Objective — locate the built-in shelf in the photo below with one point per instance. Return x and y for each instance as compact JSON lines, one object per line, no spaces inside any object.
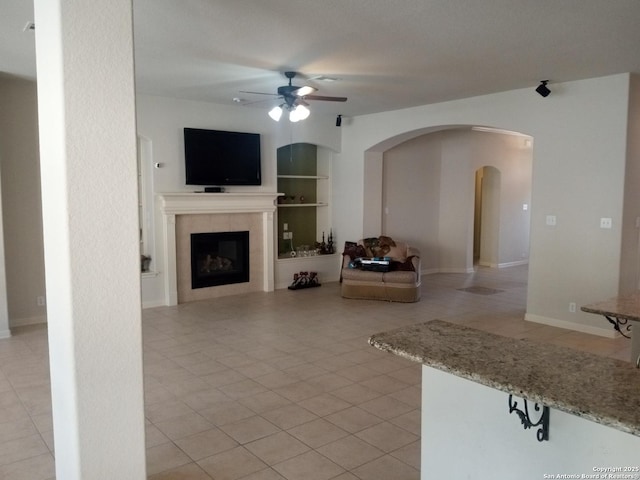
{"x":289,"y":205}
{"x":286,"y":257}
{"x":305,"y":177}
{"x":304,"y":172}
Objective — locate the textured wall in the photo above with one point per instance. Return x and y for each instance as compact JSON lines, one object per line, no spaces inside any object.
{"x":21,"y":201}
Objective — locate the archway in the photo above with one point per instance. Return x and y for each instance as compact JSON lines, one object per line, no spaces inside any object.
{"x":421,"y":189}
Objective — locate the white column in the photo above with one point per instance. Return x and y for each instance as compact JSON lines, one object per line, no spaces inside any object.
{"x":268,"y":249}
{"x":170,"y":262}
{"x":86,"y":108}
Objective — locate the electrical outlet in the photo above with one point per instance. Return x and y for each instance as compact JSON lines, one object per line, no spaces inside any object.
{"x":572,"y":307}
{"x":551,"y":220}
{"x":40,"y":301}
{"x":606,"y":223}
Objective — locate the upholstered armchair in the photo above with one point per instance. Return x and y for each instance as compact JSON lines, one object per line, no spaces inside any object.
{"x":400,"y":282}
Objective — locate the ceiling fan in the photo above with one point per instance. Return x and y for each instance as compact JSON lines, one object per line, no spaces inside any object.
{"x":295,"y":99}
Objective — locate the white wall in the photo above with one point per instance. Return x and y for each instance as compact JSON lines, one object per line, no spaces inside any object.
{"x":411,"y":196}
{"x":630,"y":258}
{"x":21,"y":200}
{"x":161,"y":121}
{"x":580,"y":134}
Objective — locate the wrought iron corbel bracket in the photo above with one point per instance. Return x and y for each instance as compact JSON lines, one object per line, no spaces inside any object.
{"x":617,"y":323}
{"x":543,"y":422}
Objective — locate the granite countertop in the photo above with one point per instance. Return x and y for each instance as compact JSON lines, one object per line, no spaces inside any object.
{"x":622,"y":307}
{"x":600,"y":389}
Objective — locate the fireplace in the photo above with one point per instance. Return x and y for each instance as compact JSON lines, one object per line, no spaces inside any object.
{"x":186,"y":213}
{"x":219,"y":258}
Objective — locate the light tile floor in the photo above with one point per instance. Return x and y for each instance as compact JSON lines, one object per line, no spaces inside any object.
{"x":276,"y":386}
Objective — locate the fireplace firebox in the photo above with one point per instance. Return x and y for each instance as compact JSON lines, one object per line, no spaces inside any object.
{"x":219,"y":258}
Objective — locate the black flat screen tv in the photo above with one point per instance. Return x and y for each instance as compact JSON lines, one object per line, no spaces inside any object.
{"x":216,"y":157}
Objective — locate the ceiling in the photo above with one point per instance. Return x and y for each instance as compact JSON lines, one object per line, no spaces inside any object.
{"x":385,"y":54}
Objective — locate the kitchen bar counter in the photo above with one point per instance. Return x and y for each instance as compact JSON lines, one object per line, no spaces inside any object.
{"x":603,"y":390}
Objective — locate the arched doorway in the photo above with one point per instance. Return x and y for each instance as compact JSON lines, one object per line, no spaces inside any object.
{"x":421,"y":188}
{"x":486,"y":228}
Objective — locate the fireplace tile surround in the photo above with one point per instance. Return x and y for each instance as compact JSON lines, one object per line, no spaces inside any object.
{"x":186,"y":213}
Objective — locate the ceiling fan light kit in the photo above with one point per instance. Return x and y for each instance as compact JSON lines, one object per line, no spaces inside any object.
{"x":297,"y":113}
{"x":295,"y":100}
{"x":275,"y":113}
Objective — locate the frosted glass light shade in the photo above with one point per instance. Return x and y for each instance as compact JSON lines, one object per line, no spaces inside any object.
{"x":275,"y":113}
{"x":293,"y":116}
{"x":302,"y":112}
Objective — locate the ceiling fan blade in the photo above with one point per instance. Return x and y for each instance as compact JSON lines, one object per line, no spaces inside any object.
{"x":254,"y":102}
{"x":304,"y":91}
{"x":260,"y":93}
{"x":325,"y":99}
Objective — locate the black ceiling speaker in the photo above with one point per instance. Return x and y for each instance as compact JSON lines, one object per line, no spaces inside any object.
{"x":338,"y":120}
{"x":542,"y":88}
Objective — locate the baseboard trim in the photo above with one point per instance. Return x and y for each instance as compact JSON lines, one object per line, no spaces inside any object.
{"x":578,"y":327}
{"x":23,"y":322}
{"x":153,"y":304}
{"x":513,"y":264}
{"x":504,"y":265}
{"x":5,"y":334}
{"x":454,"y":270}
{"x":429,"y":271}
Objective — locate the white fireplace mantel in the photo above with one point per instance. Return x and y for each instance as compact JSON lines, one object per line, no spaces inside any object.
{"x":193,"y":203}
{"x":187,"y":203}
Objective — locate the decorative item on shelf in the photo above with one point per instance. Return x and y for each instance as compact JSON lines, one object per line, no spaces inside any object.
{"x":304,"y":280}
{"x":301,"y":198}
{"x":145,"y":261}
{"x":321,"y":247}
{"x":330,"y":248}
{"x":305,"y":251}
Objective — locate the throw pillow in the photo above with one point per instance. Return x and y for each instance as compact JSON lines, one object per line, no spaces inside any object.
{"x":353,"y":250}
{"x":398,"y":252}
{"x":406,"y":266}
